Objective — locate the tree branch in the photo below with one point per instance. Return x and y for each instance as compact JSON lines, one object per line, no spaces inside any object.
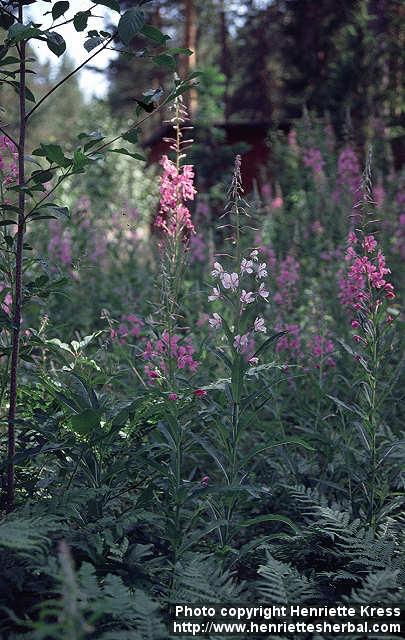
{"x":72,"y":73}
{"x":9,"y":13}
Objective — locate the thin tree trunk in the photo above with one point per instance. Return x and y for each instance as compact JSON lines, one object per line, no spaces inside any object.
{"x":224,"y":56}
{"x":17,"y":298}
{"x":190,"y":42}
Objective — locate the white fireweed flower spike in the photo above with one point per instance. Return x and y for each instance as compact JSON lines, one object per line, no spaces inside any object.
{"x":247,"y":297}
{"x":215,"y":294}
{"x":262,"y":270}
{"x":230,"y":280}
{"x":215,"y":321}
{"x":259,"y":325}
{"x":218,"y":269}
{"x":246,"y":266}
{"x":263,"y":291}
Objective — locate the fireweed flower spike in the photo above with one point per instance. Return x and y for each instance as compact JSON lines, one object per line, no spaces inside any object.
{"x":240,"y":290}
{"x":364,"y":291}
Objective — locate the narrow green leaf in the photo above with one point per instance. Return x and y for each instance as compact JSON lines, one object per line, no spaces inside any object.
{"x":268,"y":518}
{"x":125,"y":152}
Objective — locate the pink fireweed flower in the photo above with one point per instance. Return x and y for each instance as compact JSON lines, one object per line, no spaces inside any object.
{"x":200,"y":393}
{"x":173,"y":396}
{"x":277,"y":202}
{"x":198,"y":248}
{"x":291,"y":340}
{"x":241,"y":343}
{"x":259,"y":325}
{"x":365,"y":272}
{"x":7,"y":303}
{"x":246,"y":266}
{"x":216,"y":294}
{"x":349,"y":174}
{"x":312,"y":159}
{"x":369,"y":243}
{"x":254,"y":255}
{"x":215,"y":321}
{"x":60,"y":243}
{"x":287,"y":279}
{"x":379,"y":195}
{"x":253,"y":361}
{"x":205,"y":481}
{"x":399,"y":242}
{"x":263,"y":293}
{"x":321,"y":348}
{"x":262,"y":270}
{"x":130,"y":326}
{"x":230,"y":280}
{"x":168,"y":349}
{"x":247,"y":297}
{"x":317,"y":228}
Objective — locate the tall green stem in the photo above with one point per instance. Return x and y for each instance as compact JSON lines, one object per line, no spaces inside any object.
{"x":17,"y":300}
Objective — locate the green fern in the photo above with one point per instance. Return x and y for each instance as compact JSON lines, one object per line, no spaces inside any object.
{"x":200,"y":578}
{"x":281,"y":583}
{"x":378,"y":587}
{"x":27,"y":534}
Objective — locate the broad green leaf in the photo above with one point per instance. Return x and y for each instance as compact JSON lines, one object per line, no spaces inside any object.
{"x":56,"y":43}
{"x":131,"y":22}
{"x":154,"y":34}
{"x":131,"y":135}
{"x":19,"y":32}
{"x":86,"y":421}
{"x":42,"y":176}
{"x":59,"y":8}
{"x":93,"y":42}
{"x":165,"y":60}
{"x":110,"y":4}
{"x":80,"y":20}
{"x":53,"y":153}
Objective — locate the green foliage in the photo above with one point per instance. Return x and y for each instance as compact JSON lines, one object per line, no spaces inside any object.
{"x":272,"y":474}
